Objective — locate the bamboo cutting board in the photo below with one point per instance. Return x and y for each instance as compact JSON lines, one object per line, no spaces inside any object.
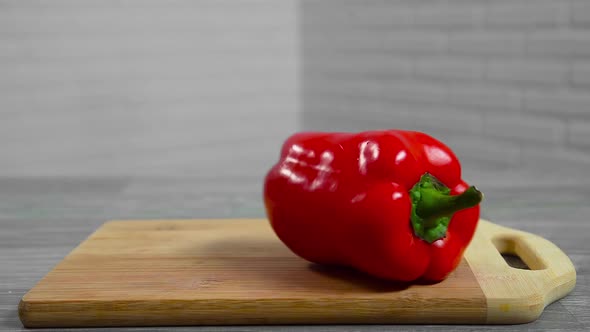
{"x":197,"y":272}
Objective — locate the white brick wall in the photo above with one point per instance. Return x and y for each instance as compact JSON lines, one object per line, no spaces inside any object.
{"x":457,"y":14}
{"x":415,"y":92}
{"x":499,"y":80}
{"x":581,"y":73}
{"x":400,"y":42}
{"x":559,"y":43}
{"x":507,"y":14}
{"x":145,"y":87}
{"x":449,"y":68}
{"x":482,"y":43}
{"x":579,"y":134}
{"x":580,"y":13}
{"x":562,"y":102}
{"x":372,"y":65}
{"x":485,"y":97}
{"x":440,"y":121}
{"x":525,"y":128}
{"x":94,"y":85}
{"x":528,"y":72}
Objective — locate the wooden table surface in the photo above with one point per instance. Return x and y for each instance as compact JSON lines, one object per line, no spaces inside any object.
{"x":43,"y":219}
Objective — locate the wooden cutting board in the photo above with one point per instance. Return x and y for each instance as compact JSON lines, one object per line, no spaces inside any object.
{"x":197,"y":272}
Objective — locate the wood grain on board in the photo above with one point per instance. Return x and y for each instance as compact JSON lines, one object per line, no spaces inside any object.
{"x":235,"y":271}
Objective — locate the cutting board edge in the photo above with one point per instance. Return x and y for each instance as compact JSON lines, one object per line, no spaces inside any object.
{"x":39,"y":317}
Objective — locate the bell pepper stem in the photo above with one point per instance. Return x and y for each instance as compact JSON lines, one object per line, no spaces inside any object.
{"x":433,"y":206}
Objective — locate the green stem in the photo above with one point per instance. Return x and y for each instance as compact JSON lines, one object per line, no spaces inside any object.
{"x":433,"y":206}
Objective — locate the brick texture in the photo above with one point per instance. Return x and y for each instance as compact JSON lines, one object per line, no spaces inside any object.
{"x":485,"y":97}
{"x":450,"y":14}
{"x":579,"y":133}
{"x":581,"y":73}
{"x":442,"y":121}
{"x":415,"y":43}
{"x":561,"y":43}
{"x":506,"y":14}
{"x":528,"y":72}
{"x":102,"y":87}
{"x":499,"y":80}
{"x":372,"y":65}
{"x":482,"y":43}
{"x":415,"y":91}
{"x":580,"y":13}
{"x":528,"y":128}
{"x":562,"y":103}
{"x":449,"y":68}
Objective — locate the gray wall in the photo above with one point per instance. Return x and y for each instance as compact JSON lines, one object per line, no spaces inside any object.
{"x":212,"y":87}
{"x":505,"y":83}
{"x":145,"y":87}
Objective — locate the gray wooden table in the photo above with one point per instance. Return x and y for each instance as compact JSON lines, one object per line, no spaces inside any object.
{"x":42,"y":219}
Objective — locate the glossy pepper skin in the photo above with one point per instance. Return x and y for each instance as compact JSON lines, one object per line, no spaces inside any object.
{"x":390,"y":203}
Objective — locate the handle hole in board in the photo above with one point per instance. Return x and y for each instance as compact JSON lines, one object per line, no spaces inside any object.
{"x":515,"y":261}
{"x":517,"y":254}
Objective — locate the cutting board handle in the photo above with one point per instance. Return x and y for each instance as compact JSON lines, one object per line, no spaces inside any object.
{"x":552,"y":275}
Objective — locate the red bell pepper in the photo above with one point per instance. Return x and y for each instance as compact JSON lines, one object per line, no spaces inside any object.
{"x":390,"y":203}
